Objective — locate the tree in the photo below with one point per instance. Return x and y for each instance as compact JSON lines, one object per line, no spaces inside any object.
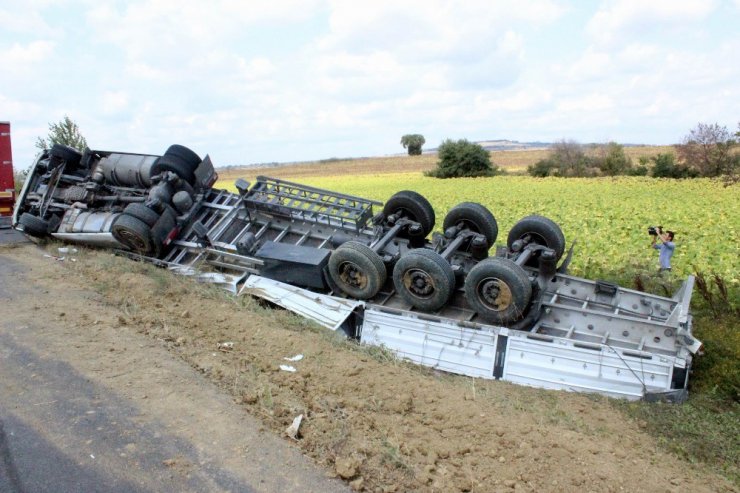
{"x":665,"y":166}
{"x":19,"y":177}
{"x":65,"y":132}
{"x":462,"y":158}
{"x":567,"y":158}
{"x":708,"y":149}
{"x":613,"y":161}
{"x":413,"y":142}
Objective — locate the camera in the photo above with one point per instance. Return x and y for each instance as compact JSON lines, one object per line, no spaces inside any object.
{"x":655,"y":230}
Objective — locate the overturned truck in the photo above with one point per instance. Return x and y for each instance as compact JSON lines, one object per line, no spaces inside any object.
{"x":376,"y":271}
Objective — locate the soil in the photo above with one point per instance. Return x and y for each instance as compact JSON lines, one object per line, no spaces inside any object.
{"x":377,"y":423}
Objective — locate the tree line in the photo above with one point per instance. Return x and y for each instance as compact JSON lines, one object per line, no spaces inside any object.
{"x":709,"y":150}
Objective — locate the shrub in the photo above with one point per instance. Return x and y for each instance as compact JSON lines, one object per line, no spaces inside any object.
{"x":543,"y":168}
{"x":639,"y":170}
{"x":613,"y":161}
{"x":567,"y":159}
{"x":665,"y":166}
{"x":462,"y":158}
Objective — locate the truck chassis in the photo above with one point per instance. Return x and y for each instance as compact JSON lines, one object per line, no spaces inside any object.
{"x":383,"y":277}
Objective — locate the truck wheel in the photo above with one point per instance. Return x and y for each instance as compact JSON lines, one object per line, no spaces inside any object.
{"x":413,"y":206}
{"x":474,"y":217}
{"x":498,"y":290}
{"x":357,"y":270}
{"x":185,"y":154}
{"x":66,"y":153}
{"x":540,"y":230}
{"x":34,"y":225}
{"x":142,"y":213}
{"x":133,"y":233}
{"x":424,"y":279}
{"x":175,"y":164}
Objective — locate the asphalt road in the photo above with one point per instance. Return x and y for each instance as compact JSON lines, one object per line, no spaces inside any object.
{"x":66,"y":426}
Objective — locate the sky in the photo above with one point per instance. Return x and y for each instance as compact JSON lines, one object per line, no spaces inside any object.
{"x":293,"y":80}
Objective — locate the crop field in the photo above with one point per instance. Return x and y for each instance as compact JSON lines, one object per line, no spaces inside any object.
{"x":607,"y":217}
{"x":514,"y":162}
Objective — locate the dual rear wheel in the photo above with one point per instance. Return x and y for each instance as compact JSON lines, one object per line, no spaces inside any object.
{"x":497,"y":289}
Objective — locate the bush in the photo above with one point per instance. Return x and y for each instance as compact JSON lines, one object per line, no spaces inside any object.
{"x":639,"y":170}
{"x":462,"y":159}
{"x":665,"y":166}
{"x":613,"y":161}
{"x":567,"y":159}
{"x":543,"y":168}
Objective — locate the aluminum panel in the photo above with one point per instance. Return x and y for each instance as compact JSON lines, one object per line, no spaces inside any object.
{"x":565,"y":365}
{"x":91,"y":239}
{"x":329,"y":311}
{"x":444,"y":346}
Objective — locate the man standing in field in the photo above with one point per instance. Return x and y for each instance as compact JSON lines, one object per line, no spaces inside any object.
{"x":666,"y":248}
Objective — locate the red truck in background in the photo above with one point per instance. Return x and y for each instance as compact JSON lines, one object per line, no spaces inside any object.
{"x":7,"y":185}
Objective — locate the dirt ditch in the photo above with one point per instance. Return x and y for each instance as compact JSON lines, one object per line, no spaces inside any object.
{"x":380,"y":424}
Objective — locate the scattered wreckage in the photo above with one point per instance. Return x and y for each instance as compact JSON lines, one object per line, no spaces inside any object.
{"x":382,"y":276}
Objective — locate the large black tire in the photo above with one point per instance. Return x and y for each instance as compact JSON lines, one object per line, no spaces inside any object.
{"x":175,"y":164}
{"x":541,"y":230}
{"x":66,"y":153}
{"x":424,"y":279}
{"x":413,"y":206}
{"x":498,"y":290}
{"x":185,"y":154}
{"x":133,"y":234}
{"x":34,"y":225}
{"x":474,"y":217}
{"x":142,"y":213}
{"x":357,"y":270}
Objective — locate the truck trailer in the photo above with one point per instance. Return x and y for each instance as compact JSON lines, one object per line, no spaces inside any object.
{"x":451,"y":299}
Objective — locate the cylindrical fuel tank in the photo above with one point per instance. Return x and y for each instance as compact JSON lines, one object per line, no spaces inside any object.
{"x":127,"y":170}
{"x":88,"y":228}
{"x":82,"y":221}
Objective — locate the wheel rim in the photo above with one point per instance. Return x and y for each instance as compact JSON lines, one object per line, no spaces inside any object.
{"x":406,"y":213}
{"x":419,"y":283}
{"x":352,"y":275}
{"x":469,"y":225}
{"x":133,"y":240}
{"x":535,"y":238}
{"x":494,"y":294}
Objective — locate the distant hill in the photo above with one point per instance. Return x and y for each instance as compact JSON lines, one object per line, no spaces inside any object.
{"x":507,"y":145}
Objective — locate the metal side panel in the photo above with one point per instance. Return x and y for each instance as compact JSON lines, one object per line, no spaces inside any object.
{"x":444,"y":346}
{"x":91,"y":239}
{"x":329,"y":311}
{"x":567,"y":365}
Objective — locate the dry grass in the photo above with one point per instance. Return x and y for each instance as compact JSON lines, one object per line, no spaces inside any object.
{"x":511,"y":161}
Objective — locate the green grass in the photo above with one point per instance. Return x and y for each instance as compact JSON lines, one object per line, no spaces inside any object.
{"x":706,"y":429}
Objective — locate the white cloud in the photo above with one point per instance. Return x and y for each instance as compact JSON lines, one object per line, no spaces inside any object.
{"x":24,"y":56}
{"x":618,"y":21}
{"x":114,"y":102}
{"x":589,"y":103}
{"x":286,"y":80}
